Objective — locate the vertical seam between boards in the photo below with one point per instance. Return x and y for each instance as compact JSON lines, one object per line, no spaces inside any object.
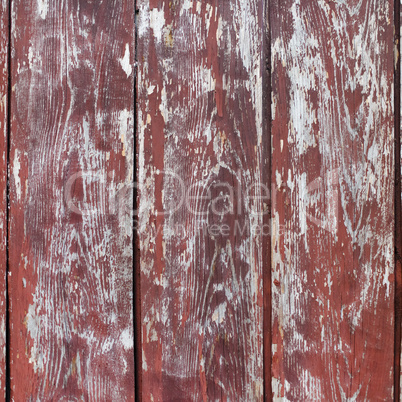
{"x":267,"y":154}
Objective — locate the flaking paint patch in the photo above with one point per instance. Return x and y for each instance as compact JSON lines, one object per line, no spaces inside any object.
{"x":32,"y":322}
{"x":219,"y":314}
{"x":157,"y":22}
{"x":126,"y":339}
{"x":125,"y":61}
{"x":43,"y":8}
{"x":16,"y":173}
{"x":125,"y":121}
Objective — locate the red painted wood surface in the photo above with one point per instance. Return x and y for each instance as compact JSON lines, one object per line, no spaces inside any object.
{"x":206,"y":207}
{"x":398,"y":206}
{"x":4,"y":12}
{"x":398,"y":209}
{"x":333,"y":210}
{"x":202,"y":160}
{"x":71,"y":159}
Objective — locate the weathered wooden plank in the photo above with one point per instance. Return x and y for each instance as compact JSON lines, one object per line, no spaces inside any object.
{"x":398,"y":205}
{"x":201,"y":153}
{"x":71,"y":200}
{"x":333,"y":211}
{"x":4,"y":46}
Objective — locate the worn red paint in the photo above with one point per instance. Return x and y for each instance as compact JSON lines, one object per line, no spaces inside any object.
{"x":71,"y":159}
{"x":200,"y":124}
{"x":333,"y":171}
{"x":398,"y":209}
{"x":203,"y":283}
{"x":4,"y":40}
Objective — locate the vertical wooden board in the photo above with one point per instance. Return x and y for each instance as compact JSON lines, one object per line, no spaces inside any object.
{"x":4,"y":46}
{"x":201,"y":155}
{"x":71,"y":157}
{"x":398,"y":203}
{"x":333,"y":211}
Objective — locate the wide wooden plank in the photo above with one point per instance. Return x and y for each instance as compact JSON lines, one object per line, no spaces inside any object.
{"x":201,"y":159}
{"x":4,"y":46}
{"x":333,"y":210}
{"x":71,"y":159}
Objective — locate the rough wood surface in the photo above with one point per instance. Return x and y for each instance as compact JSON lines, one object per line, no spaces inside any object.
{"x":200,"y":129}
{"x":398,"y":205}
{"x":333,"y":211}
{"x":4,"y":30}
{"x":71,"y":160}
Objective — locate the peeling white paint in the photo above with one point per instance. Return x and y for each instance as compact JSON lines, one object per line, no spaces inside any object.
{"x":125,"y":61}
{"x":157,"y":22}
{"x":16,"y":173}
{"x":43,"y":8}
{"x":126,"y":339}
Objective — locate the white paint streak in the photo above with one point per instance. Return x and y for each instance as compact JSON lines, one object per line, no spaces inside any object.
{"x":43,"y":8}
{"x":157,"y":22}
{"x":125,"y":61}
{"x":126,"y":339}
{"x":16,"y":173}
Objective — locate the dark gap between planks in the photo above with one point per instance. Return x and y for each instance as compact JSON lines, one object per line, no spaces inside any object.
{"x":267,"y":306}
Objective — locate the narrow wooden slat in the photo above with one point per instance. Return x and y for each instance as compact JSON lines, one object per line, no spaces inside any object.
{"x":333,"y":210}
{"x":200,"y":134}
{"x":71,"y":160}
{"x":4,"y":46}
{"x":398,"y":205}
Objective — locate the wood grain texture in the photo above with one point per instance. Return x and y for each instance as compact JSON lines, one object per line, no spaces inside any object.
{"x":398,"y":204}
{"x":71,"y":160}
{"x":201,"y":153}
{"x":4,"y":46}
{"x":333,"y":211}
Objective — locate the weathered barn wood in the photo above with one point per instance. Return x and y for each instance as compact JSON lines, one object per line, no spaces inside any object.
{"x":197,"y":286}
{"x":71,"y":159}
{"x":201,"y":154}
{"x":333,"y":210}
{"x":398,"y":206}
{"x":4,"y":31}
